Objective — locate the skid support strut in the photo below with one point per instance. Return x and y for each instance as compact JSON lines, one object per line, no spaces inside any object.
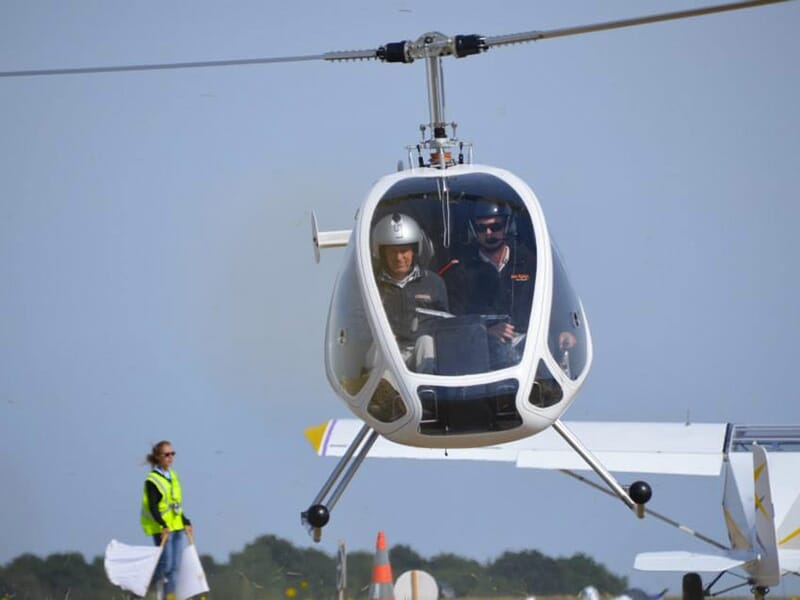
{"x":637,"y":494}
{"x":319,"y":513}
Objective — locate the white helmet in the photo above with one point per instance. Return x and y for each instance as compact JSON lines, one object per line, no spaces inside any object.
{"x":395,"y":229}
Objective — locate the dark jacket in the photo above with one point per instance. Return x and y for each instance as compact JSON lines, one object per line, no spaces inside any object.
{"x":423,"y":289}
{"x":476,"y":287}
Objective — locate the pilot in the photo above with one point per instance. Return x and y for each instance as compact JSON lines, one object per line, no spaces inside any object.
{"x":405,"y":286}
{"x":496,"y":277}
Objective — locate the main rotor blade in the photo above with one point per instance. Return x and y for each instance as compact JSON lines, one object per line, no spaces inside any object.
{"x":379,"y":53}
{"x":533,"y":36}
{"x":339,"y":55}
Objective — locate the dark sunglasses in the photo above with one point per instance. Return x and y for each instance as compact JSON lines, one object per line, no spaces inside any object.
{"x":493,"y":227}
{"x":167,"y":454}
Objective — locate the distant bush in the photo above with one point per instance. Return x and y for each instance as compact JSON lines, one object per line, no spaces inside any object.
{"x":271,"y":567}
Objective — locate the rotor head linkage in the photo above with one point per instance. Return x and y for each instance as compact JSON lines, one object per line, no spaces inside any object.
{"x":442,"y":150}
{"x":432,"y":44}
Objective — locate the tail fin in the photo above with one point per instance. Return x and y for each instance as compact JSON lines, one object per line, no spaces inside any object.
{"x":769,"y":572}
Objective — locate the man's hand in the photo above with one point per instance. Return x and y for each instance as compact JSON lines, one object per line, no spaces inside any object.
{"x":566,"y":340}
{"x":164,"y":535}
{"x":502,"y":331}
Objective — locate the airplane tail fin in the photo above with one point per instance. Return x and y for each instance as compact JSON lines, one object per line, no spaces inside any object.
{"x":769,"y":571}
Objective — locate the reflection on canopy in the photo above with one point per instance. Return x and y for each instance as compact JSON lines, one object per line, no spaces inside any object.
{"x":350,"y":347}
{"x":566,"y":317}
{"x":445,"y":312}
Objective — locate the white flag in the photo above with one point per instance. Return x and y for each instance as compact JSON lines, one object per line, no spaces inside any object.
{"x":131,"y":567}
{"x":191,"y":577}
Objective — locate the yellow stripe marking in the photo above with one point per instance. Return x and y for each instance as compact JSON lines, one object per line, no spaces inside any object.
{"x":760,"y":507}
{"x":735,"y":532}
{"x":794,"y":534}
{"x":316,"y":434}
{"x":758,"y":471}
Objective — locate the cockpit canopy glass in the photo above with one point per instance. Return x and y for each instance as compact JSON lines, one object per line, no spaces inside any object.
{"x":455,"y":266}
{"x":567,"y":338}
{"x":350,"y":349}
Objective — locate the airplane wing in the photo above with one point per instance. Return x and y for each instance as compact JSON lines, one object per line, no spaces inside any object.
{"x":691,"y":561}
{"x":790,"y":560}
{"x":666,"y":448}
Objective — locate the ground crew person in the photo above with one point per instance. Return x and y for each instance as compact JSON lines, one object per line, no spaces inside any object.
{"x":162,"y":517}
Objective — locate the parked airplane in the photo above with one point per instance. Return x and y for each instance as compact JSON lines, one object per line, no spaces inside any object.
{"x":761,"y":509}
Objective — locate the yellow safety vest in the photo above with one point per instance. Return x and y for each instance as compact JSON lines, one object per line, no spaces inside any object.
{"x":169,"y":507}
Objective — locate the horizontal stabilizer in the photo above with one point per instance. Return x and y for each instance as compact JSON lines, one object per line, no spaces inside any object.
{"x":690,"y":561}
{"x":669,"y":448}
{"x":326,"y":239}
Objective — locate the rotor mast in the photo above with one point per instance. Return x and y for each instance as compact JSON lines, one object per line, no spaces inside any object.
{"x":431,"y":47}
{"x":439,"y":142}
{"x":433,"y":66}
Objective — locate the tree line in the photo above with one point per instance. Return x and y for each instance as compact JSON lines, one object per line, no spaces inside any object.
{"x":273,"y":568}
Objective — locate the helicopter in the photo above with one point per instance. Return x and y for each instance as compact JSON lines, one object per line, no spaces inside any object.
{"x":467,"y":389}
{"x":525,"y":399}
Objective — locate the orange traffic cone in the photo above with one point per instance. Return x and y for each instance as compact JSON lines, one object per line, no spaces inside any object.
{"x":381,"y":587}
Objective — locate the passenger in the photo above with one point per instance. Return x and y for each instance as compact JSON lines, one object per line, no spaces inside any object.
{"x":405,"y":286}
{"x":496,"y":278}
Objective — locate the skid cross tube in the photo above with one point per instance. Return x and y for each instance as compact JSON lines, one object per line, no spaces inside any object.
{"x":318,"y":514}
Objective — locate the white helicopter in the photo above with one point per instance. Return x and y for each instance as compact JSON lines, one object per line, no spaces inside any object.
{"x":424,"y":372}
{"x":447,"y":381}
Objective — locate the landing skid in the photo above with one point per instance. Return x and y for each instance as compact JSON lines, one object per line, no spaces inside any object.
{"x":319,"y":513}
{"x":637,"y":494}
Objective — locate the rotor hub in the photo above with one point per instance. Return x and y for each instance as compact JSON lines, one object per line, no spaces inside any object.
{"x":432,"y":45}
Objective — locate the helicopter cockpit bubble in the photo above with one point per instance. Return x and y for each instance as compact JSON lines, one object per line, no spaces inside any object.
{"x":440,"y":331}
{"x":477,"y":321}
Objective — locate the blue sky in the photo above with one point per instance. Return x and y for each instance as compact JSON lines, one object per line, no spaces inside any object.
{"x":157,"y":278}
